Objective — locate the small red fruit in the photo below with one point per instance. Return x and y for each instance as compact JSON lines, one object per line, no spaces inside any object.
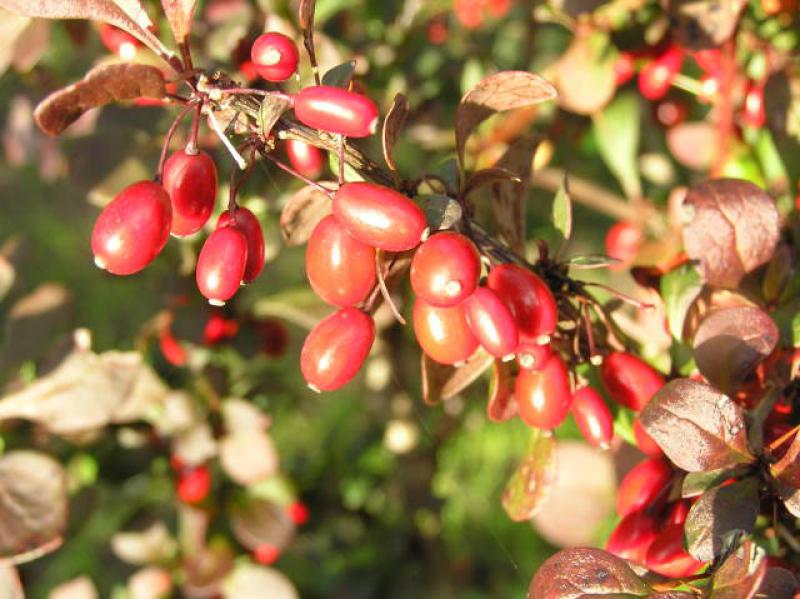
{"x":678,"y":512}
{"x":753,"y":113}
{"x":340,"y":268}
{"x":305,"y":158}
{"x":298,"y":512}
{"x":529,"y":299}
{"x":221,"y":264}
{"x":709,"y":60}
{"x":643,"y":485}
{"x":469,"y":13}
{"x":266,"y":554}
{"x":248,"y":224}
{"x":533,"y":357}
{"x":194,"y":484}
{"x":645,"y":442}
{"x":656,"y":77}
{"x":623,"y":241}
{"x":274,"y":56}
{"x":670,"y":112}
{"x":119,"y":41}
{"x":443,"y":333}
{"x":629,"y":381}
{"x":593,"y":417}
{"x":336,"y":110}
{"x":624,"y":68}
{"x":379,"y":216}
{"x":544,"y":396}
{"x":132,"y":229}
{"x":633,"y":536}
{"x":336,"y":348}
{"x":191,"y":182}
{"x":445,"y":269}
{"x":667,"y":554}
{"x":218,"y":329}
{"x":171,"y":348}
{"x":491,"y":322}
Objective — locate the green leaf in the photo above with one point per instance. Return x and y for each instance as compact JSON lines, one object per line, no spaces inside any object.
{"x":531,"y":481}
{"x":562,"y":212}
{"x":340,"y":75}
{"x":616,"y":130}
{"x":679,"y":288}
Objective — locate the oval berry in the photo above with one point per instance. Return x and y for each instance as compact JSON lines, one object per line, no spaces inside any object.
{"x":274,"y":56}
{"x":753,"y":113}
{"x":379,"y":216}
{"x":336,"y":110}
{"x":629,"y":381}
{"x":248,"y":224}
{"x":643,"y":485}
{"x":667,"y":554}
{"x":305,"y":158}
{"x":445,"y":269}
{"x":645,"y":442}
{"x":656,"y":77}
{"x":194,"y":484}
{"x":340,"y":269}
{"x":132,"y":229}
{"x":633,"y":536}
{"x":336,"y":348}
{"x":532,"y":356}
{"x":529,"y":299}
{"x":622,"y":242}
{"x":119,"y":41}
{"x":544,"y":396}
{"x":191,"y":182}
{"x":491,"y":322}
{"x":443,"y":333}
{"x":221,"y":264}
{"x":593,"y":417}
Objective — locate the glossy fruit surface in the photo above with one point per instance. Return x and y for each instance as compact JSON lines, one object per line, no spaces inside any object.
{"x":491,"y":322}
{"x":119,"y":41}
{"x":194,"y":484}
{"x":274,"y":56}
{"x":298,"y":512}
{"x":544,"y":396}
{"x":336,"y":348}
{"x":645,"y":442}
{"x":191,"y":182}
{"x":529,"y":299}
{"x":629,"y":381}
{"x":305,"y":158}
{"x":132,"y":229}
{"x":221,"y":264}
{"x":667,"y":554}
{"x":379,"y":216}
{"x":340,"y":269}
{"x":443,"y":333}
{"x":633,"y":536}
{"x":642,"y":485}
{"x":656,"y":77}
{"x":445,"y":269}
{"x":248,"y":224}
{"x":622,"y":242}
{"x":593,"y":417}
{"x":336,"y":110}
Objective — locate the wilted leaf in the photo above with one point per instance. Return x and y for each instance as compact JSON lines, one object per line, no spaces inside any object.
{"x":152,"y":545}
{"x":392,"y":126}
{"x":731,"y":342}
{"x":585,"y":572}
{"x":179,"y":14}
{"x":443,"y":382}
{"x":697,"y":427}
{"x":693,"y":144}
{"x":778,"y":583}
{"x":786,"y":471}
{"x":531,"y":481}
{"x":248,"y":456}
{"x":306,"y":17}
{"x":256,"y":522}
{"x":249,"y":581}
{"x":301,"y":213}
{"x":206,"y":568}
{"x":731,"y":227}
{"x":272,"y":108}
{"x":617,"y":131}
{"x":487,"y":176}
{"x":679,"y":288}
{"x":441,"y":212}
{"x":697,"y":483}
{"x":33,"y":502}
{"x":501,"y":405}
{"x":717,"y":514}
{"x":341,"y":75}
{"x":703,"y":24}
{"x":102,"y":85}
{"x":740,"y":574}
{"x":585,"y":73}
{"x":506,"y":90}
{"x":562,"y":212}
{"x":510,"y":198}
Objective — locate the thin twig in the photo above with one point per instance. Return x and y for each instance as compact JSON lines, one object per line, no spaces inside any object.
{"x":167,"y":139}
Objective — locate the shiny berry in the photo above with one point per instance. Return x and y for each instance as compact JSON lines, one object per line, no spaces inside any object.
{"x":544,"y":396}
{"x":445,"y":269}
{"x":191,"y":182}
{"x":379,"y":216}
{"x":171,"y":348}
{"x":340,"y":269}
{"x":629,"y":381}
{"x":118,"y":41}
{"x":298,"y":512}
{"x":274,"y":56}
{"x":221,"y":264}
{"x":336,"y":110}
{"x":532,"y":356}
{"x":248,"y":224}
{"x":266,"y":554}
{"x":667,"y":554}
{"x":753,"y":113}
{"x":443,"y":333}
{"x":219,"y":329}
{"x":593,"y":417}
{"x":643,"y":485}
{"x":678,"y":512}
{"x":529,"y":299}
{"x":132,"y":229}
{"x":645,"y":442}
{"x":656,"y":77}
{"x":633,"y":536}
{"x":305,"y":158}
{"x":623,"y":241}
{"x":194,"y":484}
{"x":336,"y":348}
{"x":491,"y":322}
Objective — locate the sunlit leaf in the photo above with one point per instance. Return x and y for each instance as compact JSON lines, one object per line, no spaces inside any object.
{"x":693,"y":144}
{"x":179,"y":14}
{"x":248,"y":456}
{"x":441,"y":212}
{"x":588,"y":64}
{"x":249,"y":581}
{"x":703,"y":24}
{"x":392,"y":126}
{"x":562,"y":212}
{"x":697,"y":483}
{"x":531,"y":481}
{"x":501,"y":405}
{"x":149,"y":546}
{"x":272,"y":108}
{"x":679,"y":288}
{"x":740,"y":574}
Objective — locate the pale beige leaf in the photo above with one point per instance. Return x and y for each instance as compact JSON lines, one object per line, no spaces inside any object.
{"x":509,"y":198}
{"x":77,"y":588}
{"x":256,"y":522}
{"x":149,"y":546}
{"x":249,"y":581}
{"x":248,"y":456}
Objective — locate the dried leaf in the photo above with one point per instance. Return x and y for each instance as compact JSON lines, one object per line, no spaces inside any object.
{"x":591,"y":261}
{"x":531,"y":481}
{"x":697,"y":427}
{"x":272,"y":108}
{"x":179,"y":14}
{"x":778,"y":583}
{"x":509,"y":198}
{"x":206,"y":569}
{"x":693,"y":144}
{"x":703,"y":24}
{"x":441,"y":382}
{"x":149,"y":546}
{"x":731,"y":227}
{"x":301,"y":213}
{"x":697,"y":483}
{"x":102,"y":85}
{"x":740,"y":574}
{"x":12,"y":26}
{"x":487,"y":176}
{"x":392,"y":126}
{"x":441,"y":212}
{"x":506,"y":90}
{"x":501,"y":405}
{"x":341,"y":75}
{"x":249,"y":581}
{"x":306,"y":17}
{"x":256,"y":522}
{"x":588,"y":64}
{"x":248,"y":456}
{"x":787,"y":469}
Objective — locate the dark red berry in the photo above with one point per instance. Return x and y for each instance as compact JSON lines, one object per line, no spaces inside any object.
{"x":544,"y":396}
{"x":191,"y":182}
{"x":622,"y":242}
{"x":593,"y":417}
{"x":298,"y":512}
{"x":274,"y":56}
{"x":656,"y":77}
{"x":677,"y":512}
{"x":643,"y":485}
{"x":221,"y":264}
{"x":443,"y":333}
{"x":633,"y":536}
{"x":305,"y":158}
{"x":629,"y":381}
{"x":194,"y":484}
{"x":529,"y":299}
{"x":336,"y":348}
{"x":491,"y":322}
{"x":248,"y":224}
{"x":667,"y":554}
{"x":336,"y":110}
{"x":645,"y":442}
{"x":119,"y":41}
{"x":132,"y":229}
{"x":340,"y":268}
{"x":445,"y":269}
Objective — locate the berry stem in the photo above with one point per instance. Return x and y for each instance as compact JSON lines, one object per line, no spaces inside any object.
{"x":384,"y":290}
{"x":191,"y":144}
{"x":168,"y":138}
{"x":214,"y":124}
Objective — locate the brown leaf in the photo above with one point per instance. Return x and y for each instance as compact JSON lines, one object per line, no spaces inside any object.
{"x":102,"y":85}
{"x":443,"y":382}
{"x":787,"y":469}
{"x":179,"y":15}
{"x":249,"y":581}
{"x":392,"y":126}
{"x":506,"y":90}
{"x":510,"y":198}
{"x":703,"y":24}
{"x":586,"y":65}
{"x":272,"y":108}
{"x":301,"y":213}
{"x":501,"y":405}
{"x":256,"y":522}
{"x":33,"y":502}
{"x":206,"y":569}
{"x":740,"y":574}
{"x":693,"y":144}
{"x":531,"y":481}
{"x":487,"y":176}
{"x":306,"y":13}
{"x":778,"y":583}
{"x":731,"y":227}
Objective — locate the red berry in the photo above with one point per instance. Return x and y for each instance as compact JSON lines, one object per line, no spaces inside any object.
{"x":491,"y":322}
{"x":336,"y":348}
{"x":532,"y":357}
{"x":194,"y":484}
{"x":593,"y":417}
{"x":340,"y":268}
{"x":469,"y":13}
{"x":670,"y":112}
{"x":709,"y":60}
{"x":274,"y":56}
{"x":379,"y":216}
{"x":118,"y":41}
{"x":221,"y":264}
{"x":656,"y":77}
{"x":132,"y":229}
{"x":191,"y":182}
{"x":677,"y":512}
{"x":624,"y":68}
{"x":305,"y":158}
{"x":266,"y":554}
{"x":171,"y":349}
{"x":336,"y":110}
{"x":437,"y":31}
{"x":633,"y":536}
{"x":753,"y":113}
{"x":623,"y":241}
{"x":445,"y":269}
{"x":529,"y":299}
{"x":218,"y":329}
{"x":443,"y":333}
{"x":248,"y":70}
{"x":629,"y":381}
{"x":709,"y":87}
{"x":497,"y":8}
{"x":667,"y":554}
{"x":544,"y":396}
{"x":645,"y":442}
{"x":298,"y":512}
{"x":643,"y":485}
{"x":248,"y":224}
